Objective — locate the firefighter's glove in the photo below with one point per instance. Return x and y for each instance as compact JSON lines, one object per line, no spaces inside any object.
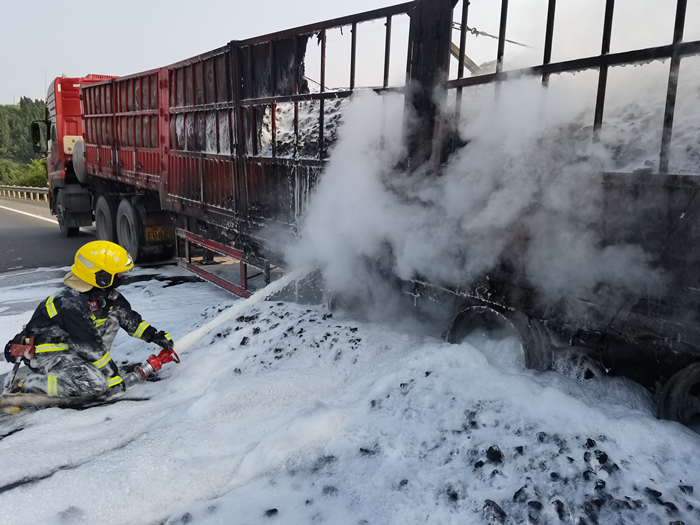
{"x":163,"y":340}
{"x":8,"y":356}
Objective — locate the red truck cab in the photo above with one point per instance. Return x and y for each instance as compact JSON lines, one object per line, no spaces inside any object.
{"x":66,"y":125}
{"x":64,"y":131}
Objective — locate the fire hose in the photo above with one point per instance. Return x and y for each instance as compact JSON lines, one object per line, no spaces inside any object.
{"x":154,"y":363}
{"x":150,"y":366}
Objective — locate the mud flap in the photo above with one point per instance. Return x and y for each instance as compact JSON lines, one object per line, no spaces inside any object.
{"x":77,"y":203}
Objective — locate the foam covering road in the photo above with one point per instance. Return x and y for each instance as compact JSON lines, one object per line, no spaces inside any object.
{"x":30,"y":242}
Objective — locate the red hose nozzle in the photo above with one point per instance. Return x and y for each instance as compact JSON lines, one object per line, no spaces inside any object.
{"x":155,"y":362}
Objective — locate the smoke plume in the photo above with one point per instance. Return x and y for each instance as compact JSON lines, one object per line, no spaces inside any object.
{"x":523,"y":191}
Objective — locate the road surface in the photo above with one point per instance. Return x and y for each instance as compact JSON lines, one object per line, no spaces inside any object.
{"x":30,"y":238}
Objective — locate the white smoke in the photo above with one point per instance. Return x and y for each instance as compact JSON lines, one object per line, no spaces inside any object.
{"x":523,"y":189}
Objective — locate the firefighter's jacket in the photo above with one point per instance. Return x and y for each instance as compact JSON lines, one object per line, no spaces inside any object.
{"x":83,"y":324}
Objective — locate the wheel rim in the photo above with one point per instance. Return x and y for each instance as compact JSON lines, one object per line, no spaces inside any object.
{"x":481,"y":320}
{"x":680,"y":398}
{"x":533,"y":337}
{"x":489,"y":331}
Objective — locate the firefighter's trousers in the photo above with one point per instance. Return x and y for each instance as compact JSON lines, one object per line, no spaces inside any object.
{"x":68,"y":376}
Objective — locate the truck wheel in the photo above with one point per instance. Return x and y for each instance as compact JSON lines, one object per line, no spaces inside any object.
{"x":60,"y":215}
{"x":129,"y":229}
{"x":487,"y":319}
{"x":680,"y":398}
{"x":106,"y":218}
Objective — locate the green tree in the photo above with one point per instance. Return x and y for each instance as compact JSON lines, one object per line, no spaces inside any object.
{"x":32,"y":175}
{"x":6,"y":145}
{"x":15,"y":135}
{"x":8,"y":170}
{"x":19,"y":165}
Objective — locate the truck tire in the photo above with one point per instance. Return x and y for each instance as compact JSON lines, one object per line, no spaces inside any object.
{"x":680,"y":398}
{"x":60,"y":215}
{"x":129,"y":229}
{"x":486,"y":318}
{"x":106,"y":218}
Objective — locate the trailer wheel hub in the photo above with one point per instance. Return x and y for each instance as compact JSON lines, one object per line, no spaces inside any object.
{"x":680,"y":397}
{"x":534,"y":337}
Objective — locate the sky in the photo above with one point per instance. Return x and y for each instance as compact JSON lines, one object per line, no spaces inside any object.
{"x":39,"y":41}
{"x":120,"y":38}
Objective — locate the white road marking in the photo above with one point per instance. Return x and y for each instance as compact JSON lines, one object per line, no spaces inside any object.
{"x":52,"y":221}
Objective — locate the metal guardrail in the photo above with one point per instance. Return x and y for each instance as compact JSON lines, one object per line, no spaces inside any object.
{"x":27,"y":193}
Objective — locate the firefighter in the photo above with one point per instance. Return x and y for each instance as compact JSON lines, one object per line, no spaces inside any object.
{"x":73,"y":330}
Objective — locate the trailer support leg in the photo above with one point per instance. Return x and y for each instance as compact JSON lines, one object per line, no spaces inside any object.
{"x":244,"y":275}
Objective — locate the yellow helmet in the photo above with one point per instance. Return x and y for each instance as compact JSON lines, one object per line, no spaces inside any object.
{"x":98,"y":262}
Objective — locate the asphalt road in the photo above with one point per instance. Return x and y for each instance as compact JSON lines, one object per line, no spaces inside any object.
{"x":31,"y":242}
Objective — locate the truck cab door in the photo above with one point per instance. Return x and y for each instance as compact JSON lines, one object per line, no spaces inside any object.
{"x":53,"y":157}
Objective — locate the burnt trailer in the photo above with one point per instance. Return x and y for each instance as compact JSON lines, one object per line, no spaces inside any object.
{"x":187,"y":159}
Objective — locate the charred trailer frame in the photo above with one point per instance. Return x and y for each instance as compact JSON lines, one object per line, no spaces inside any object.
{"x":655,"y":341}
{"x":184,"y":144}
{"x":176,"y":156}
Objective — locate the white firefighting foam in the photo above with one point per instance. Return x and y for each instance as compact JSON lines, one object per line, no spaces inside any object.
{"x":293,"y":414}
